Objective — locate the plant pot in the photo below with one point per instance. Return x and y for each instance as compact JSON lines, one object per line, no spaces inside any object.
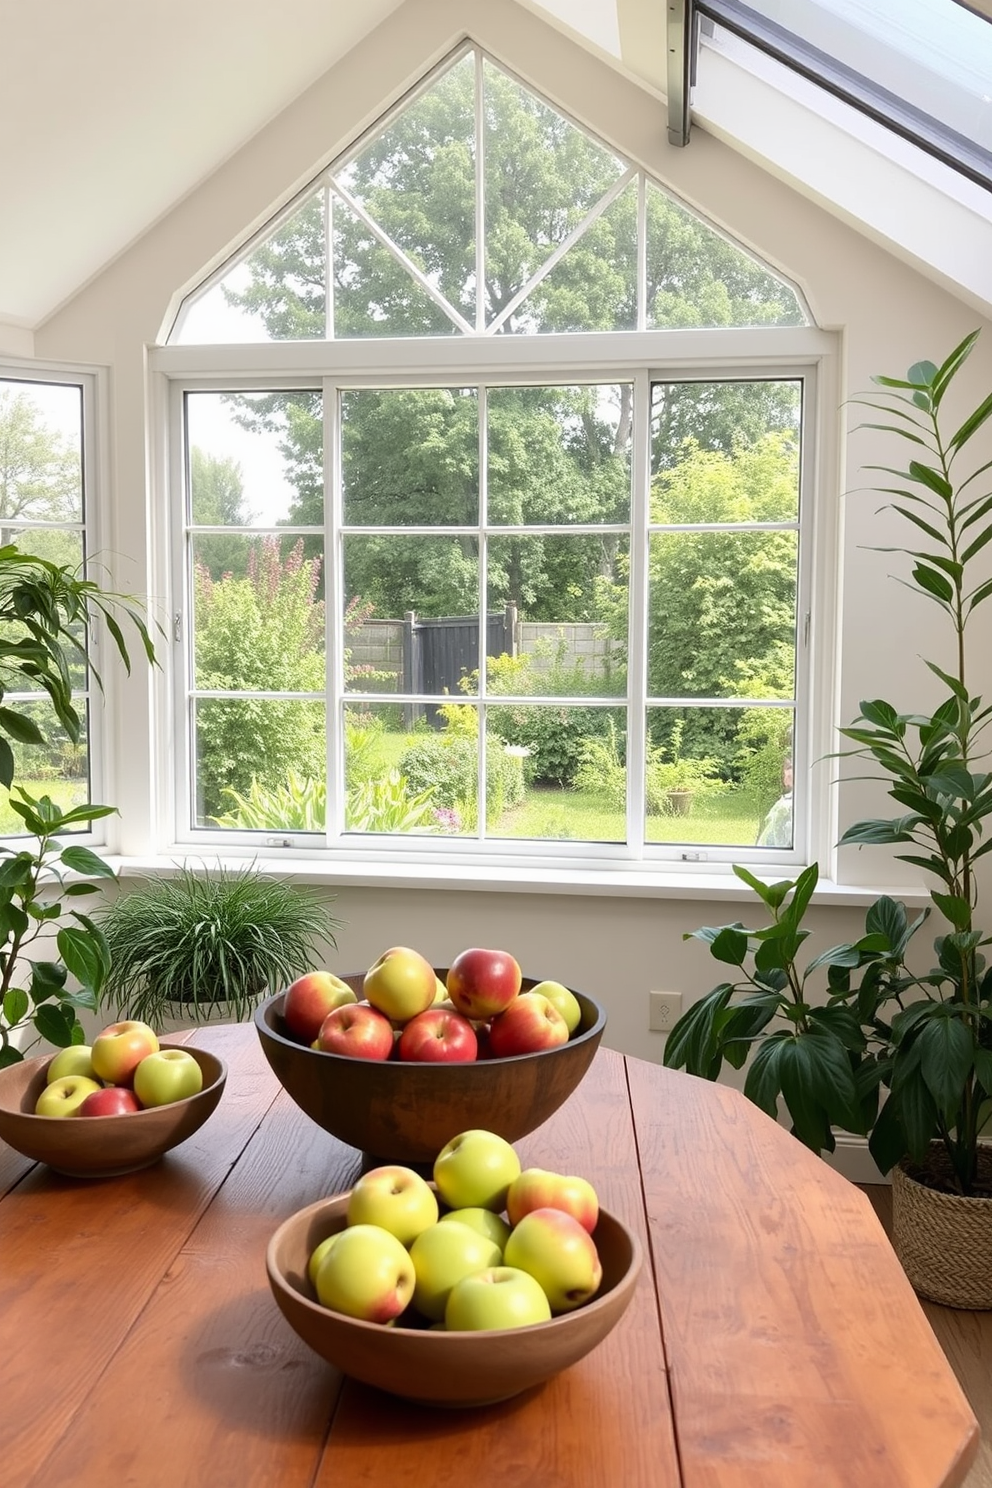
{"x":943,"y":1240}
{"x":678,"y":802}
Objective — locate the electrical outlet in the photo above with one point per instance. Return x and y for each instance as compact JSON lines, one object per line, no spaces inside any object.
{"x":664,"y":1010}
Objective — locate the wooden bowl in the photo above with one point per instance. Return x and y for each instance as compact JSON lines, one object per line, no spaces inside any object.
{"x":101,"y":1146}
{"x":406,"y":1112}
{"x":439,"y":1368}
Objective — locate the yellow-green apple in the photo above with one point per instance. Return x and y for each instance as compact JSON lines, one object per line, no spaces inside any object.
{"x":564,"y":1000}
{"x":357,"y":1030}
{"x":559,"y":1254}
{"x":309,"y":999}
{"x":366,"y":1274}
{"x":317,"y":1255}
{"x":65,"y":1096}
{"x":400,"y":984}
{"x":488,"y":1223}
{"x":166,"y":1076}
{"x":119,"y":1049}
{"x":396,"y":1198}
{"x":530,"y":1023}
{"x":475,"y":1169}
{"x":438,"y":1035}
{"x":440,"y":992}
{"x":481,"y":983}
{"x":111,"y":1100}
{"x":75,"y":1060}
{"x":501,"y":1297}
{"x":536,"y":1188}
{"x":441,"y":1256}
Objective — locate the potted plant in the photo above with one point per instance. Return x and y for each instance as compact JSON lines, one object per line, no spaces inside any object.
{"x":45,"y":610}
{"x":193,"y":944}
{"x":857,"y":1039}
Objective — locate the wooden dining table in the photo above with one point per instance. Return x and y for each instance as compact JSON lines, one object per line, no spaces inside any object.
{"x":773,"y":1341}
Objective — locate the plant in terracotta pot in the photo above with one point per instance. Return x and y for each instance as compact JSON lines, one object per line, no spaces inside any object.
{"x":194,"y":944}
{"x":857,"y":1039}
{"x":45,"y":611}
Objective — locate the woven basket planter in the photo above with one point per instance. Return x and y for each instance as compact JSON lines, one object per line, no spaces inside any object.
{"x":943,"y":1241}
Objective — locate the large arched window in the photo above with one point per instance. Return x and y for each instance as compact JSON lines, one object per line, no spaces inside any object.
{"x":494,"y":523}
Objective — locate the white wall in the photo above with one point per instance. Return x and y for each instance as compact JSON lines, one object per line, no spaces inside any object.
{"x":616,"y":946}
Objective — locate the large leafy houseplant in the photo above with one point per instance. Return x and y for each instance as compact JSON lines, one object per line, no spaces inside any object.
{"x":196,"y":943}
{"x":830,"y":1039}
{"x":45,"y":609}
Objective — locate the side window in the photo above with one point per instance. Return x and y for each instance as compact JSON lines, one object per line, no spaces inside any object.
{"x":43,"y":511}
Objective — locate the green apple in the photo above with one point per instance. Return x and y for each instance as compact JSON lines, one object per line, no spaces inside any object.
{"x":366,"y":1274}
{"x":564,"y":1000}
{"x":474,"y":1171}
{"x":397,"y":1199}
{"x":501,"y":1297}
{"x":400,"y":984}
{"x":64,"y":1097}
{"x":538,"y":1189}
{"x":75,"y":1060}
{"x":317,"y":1255}
{"x":120,"y":1048}
{"x":562,"y":1256}
{"x":441,"y":1256}
{"x":493,"y":1226}
{"x":440,"y":993}
{"x":167,"y":1075}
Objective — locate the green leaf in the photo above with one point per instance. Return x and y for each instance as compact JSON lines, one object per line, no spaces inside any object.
{"x":15,"y":1006}
{"x":883,"y":715}
{"x":934,"y":480}
{"x":82,"y":860}
{"x":887,"y":917}
{"x":953,"y":908}
{"x":838,"y":955}
{"x":971,"y":425}
{"x":770,"y":894}
{"x":933,"y":583}
{"x":763,"y":1084}
{"x":18,"y":726}
{"x":730,"y":946}
{"x":84,"y":956}
{"x":983,"y":1069}
{"x":692,"y":1043}
{"x":55,"y":1023}
{"x":878,"y":831}
{"x":946,"y":1059}
{"x":6,"y":766}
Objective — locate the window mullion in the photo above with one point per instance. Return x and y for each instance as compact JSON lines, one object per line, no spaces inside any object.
{"x":334,"y":640}
{"x":637,"y":634}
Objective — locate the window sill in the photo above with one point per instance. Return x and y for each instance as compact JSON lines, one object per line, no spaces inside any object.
{"x":599,"y":882}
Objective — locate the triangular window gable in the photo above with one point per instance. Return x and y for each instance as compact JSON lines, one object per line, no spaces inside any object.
{"x":477,"y":209}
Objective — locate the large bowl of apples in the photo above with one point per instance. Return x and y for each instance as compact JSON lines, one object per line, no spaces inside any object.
{"x":118,"y":1105}
{"x":397,"y":1060}
{"x":458,"y":1292}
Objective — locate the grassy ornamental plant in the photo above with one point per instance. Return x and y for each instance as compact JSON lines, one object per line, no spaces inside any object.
{"x":197,"y":942}
{"x":855,"y":1039}
{"x":45,"y":609}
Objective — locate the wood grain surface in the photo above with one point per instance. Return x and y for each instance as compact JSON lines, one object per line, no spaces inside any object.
{"x":140,"y":1345}
{"x":797,"y":1350}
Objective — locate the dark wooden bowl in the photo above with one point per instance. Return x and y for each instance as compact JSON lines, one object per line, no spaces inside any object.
{"x":407,"y":1112}
{"x":101,"y":1146}
{"x":438,"y":1368}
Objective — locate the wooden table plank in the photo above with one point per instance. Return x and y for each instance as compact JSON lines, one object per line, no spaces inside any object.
{"x":210,"y":1380}
{"x":79,"y":1259}
{"x":599,"y":1422}
{"x":798,"y":1352}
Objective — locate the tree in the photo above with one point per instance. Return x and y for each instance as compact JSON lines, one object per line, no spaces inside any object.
{"x":217,"y":500}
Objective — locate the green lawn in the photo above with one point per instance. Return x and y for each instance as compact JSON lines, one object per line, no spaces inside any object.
{"x":65,"y":794}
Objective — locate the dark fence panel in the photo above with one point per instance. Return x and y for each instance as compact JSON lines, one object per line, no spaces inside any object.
{"x":438,"y":653}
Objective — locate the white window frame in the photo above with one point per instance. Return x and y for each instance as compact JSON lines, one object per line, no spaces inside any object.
{"x":93,"y":528}
{"x":552,"y":360}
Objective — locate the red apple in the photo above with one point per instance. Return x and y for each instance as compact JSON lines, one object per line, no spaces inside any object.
{"x":482,"y":983}
{"x":357,"y":1030}
{"x":120,"y":1048}
{"x":538,"y":1189}
{"x":309,"y":999}
{"x":530,"y":1022}
{"x":113,"y":1100}
{"x":438,"y":1036}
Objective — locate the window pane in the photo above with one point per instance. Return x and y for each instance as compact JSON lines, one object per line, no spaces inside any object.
{"x":559,"y":455}
{"x":41,"y":436}
{"x":407,"y":774}
{"x":253,"y":750}
{"x":592,"y":287}
{"x":59,"y":545}
{"x":410,"y":457}
{"x":426,"y":577}
{"x":696,"y":277}
{"x":255,"y":459}
{"x":719,"y":776}
{"x":722,"y":614}
{"x":562,"y":775}
{"x":58,"y":768}
{"x":726,"y":419}
{"x":275,"y":294}
{"x":417,"y":182}
{"x":542,"y":175}
{"x":374,"y":293}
